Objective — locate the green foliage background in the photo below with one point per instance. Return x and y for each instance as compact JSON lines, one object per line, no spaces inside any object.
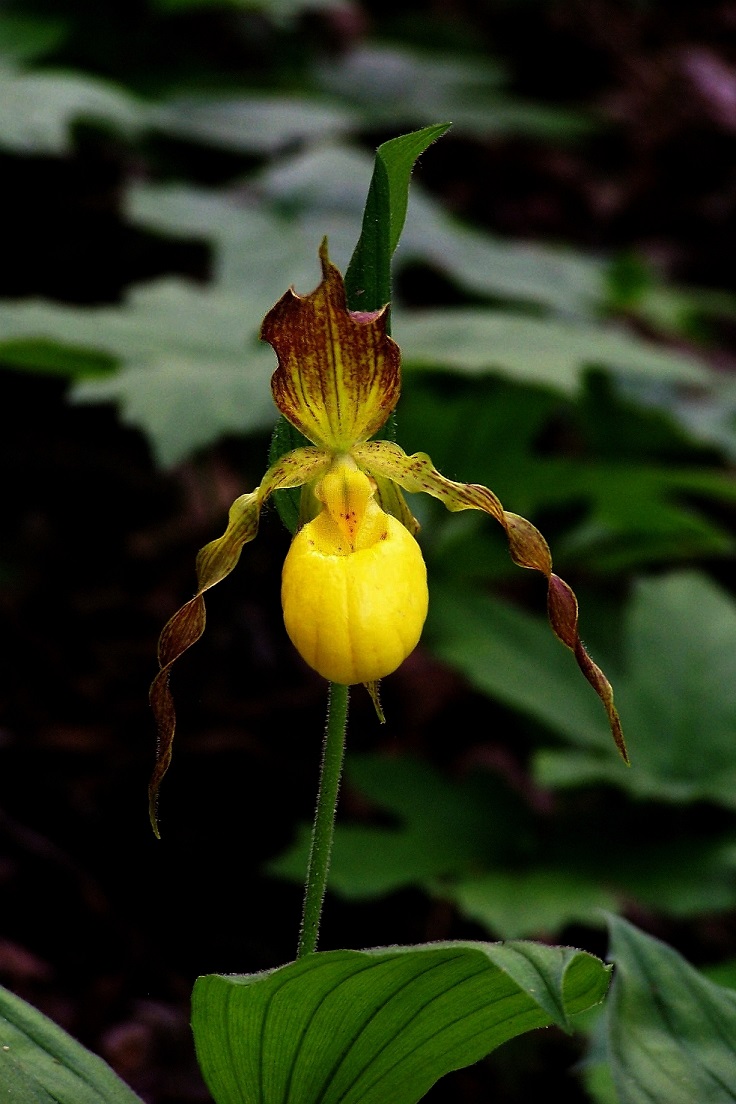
{"x":583,"y":370}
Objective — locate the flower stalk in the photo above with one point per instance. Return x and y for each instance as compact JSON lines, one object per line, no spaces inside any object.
{"x":333,"y":755}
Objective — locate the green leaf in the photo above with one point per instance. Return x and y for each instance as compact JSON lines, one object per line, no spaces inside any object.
{"x":474,"y":843}
{"x":629,"y":510}
{"x":330,"y":183}
{"x":257,"y":252}
{"x":517,"y":903}
{"x":27,"y":37}
{"x":379,"y":1025}
{"x":253,"y":123}
{"x":680,"y":654}
{"x":37,"y":110}
{"x":512,"y":656}
{"x":41,"y":1064}
{"x":443,"y":828}
{"x":544,"y":351}
{"x":671,"y":1032}
{"x":709,"y":416}
{"x":192,"y":366}
{"x":368,"y":278}
{"x":264,"y":234}
{"x":183,"y":403}
{"x":490,"y":267}
{"x":396,"y":87}
{"x":55,"y":358}
{"x":564,"y":885}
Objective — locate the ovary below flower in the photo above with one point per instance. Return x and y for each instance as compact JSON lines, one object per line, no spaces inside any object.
{"x":354,"y":584}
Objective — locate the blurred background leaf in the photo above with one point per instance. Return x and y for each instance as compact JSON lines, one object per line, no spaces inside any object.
{"x":671,"y":1032}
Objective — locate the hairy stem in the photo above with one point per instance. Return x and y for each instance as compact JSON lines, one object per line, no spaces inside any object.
{"x":333,"y":753}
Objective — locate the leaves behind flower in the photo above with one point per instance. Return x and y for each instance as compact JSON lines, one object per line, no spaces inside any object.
{"x":364,"y":1027}
{"x":527,"y":546}
{"x":671,"y":1032}
{"x":680,"y":654}
{"x":41,"y":1064}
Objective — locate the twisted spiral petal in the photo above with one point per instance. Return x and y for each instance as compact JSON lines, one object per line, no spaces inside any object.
{"x":527,"y":546}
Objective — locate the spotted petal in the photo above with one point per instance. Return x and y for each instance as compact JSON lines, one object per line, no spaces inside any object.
{"x":338,"y":375}
{"x":528,"y":548}
{"x":215,"y":561}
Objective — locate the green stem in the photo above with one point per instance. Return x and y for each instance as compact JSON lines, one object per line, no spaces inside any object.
{"x":333,"y":753}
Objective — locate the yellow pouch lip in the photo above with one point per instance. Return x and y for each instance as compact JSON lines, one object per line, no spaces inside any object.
{"x":354,"y":617}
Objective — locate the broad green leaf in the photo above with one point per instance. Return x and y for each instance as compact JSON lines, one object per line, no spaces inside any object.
{"x":598,"y":1082}
{"x":723,"y":973}
{"x":684,"y":311}
{"x":514,"y":904}
{"x":397,"y":87}
{"x":680,"y":654}
{"x":443,"y":829}
{"x":685,"y":876}
{"x":568,"y":882}
{"x":377,"y":73}
{"x":55,"y":358}
{"x":182,"y":404}
{"x":561,"y":279}
{"x":594,"y":1070}
{"x":474,"y":843}
{"x":629,"y":511}
{"x":264,"y":232}
{"x":637,"y":288}
{"x":511,"y":655}
{"x":478,"y":429}
{"x":322,"y":179}
{"x":709,"y":416}
{"x":258,"y":252}
{"x":671,"y":1032}
{"x":634,"y":514}
{"x":380,"y":1025}
{"x":611,"y":538}
{"x":368,"y":278}
{"x":253,"y":123}
{"x":41,"y":1064}
{"x":192,"y":367}
{"x":333,"y":180}
{"x":546,"y":351}
{"x":37,"y":110}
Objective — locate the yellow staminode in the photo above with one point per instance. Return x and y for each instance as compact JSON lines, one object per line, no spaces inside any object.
{"x":354,"y":585}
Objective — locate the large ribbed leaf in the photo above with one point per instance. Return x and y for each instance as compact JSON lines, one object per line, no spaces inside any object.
{"x":41,"y":1064}
{"x":671,"y":1032}
{"x":367,"y":1027}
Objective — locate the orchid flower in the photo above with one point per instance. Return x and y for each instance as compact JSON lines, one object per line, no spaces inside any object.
{"x":354,"y":585}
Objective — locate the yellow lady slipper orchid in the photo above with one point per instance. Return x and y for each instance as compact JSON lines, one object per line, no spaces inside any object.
{"x":354,"y":589}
